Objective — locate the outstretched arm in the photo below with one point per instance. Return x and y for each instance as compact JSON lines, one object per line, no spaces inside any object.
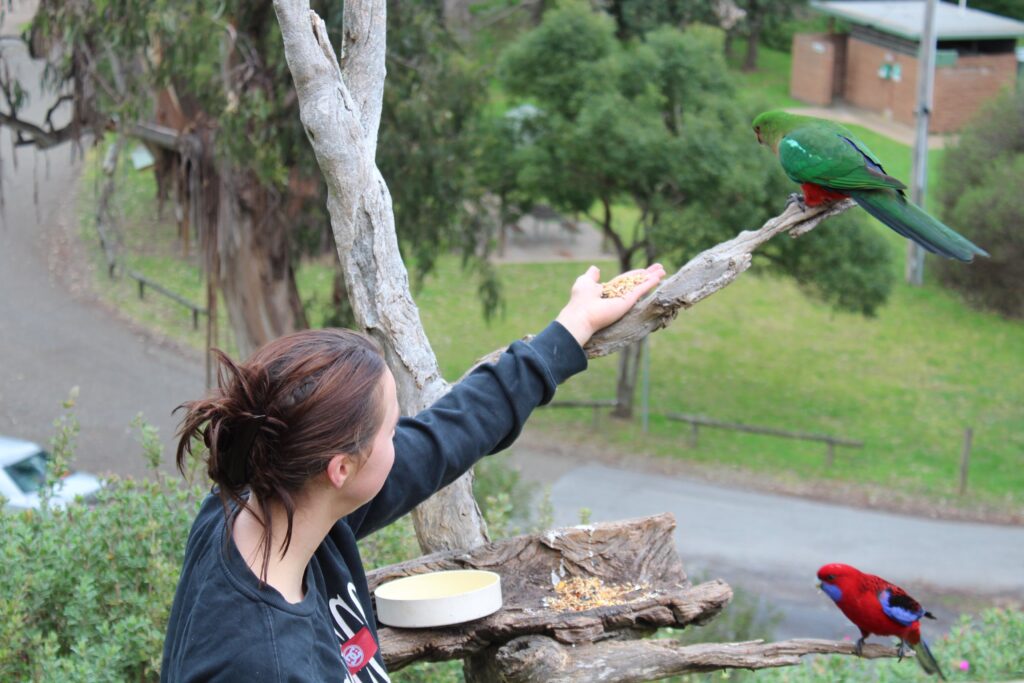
{"x":485,"y":412}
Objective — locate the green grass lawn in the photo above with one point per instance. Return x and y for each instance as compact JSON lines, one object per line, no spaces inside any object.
{"x":907,"y":383}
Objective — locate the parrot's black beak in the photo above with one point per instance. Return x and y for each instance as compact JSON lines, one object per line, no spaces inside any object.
{"x":757,"y":132}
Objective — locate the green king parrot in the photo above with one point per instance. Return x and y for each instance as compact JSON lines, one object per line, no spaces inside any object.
{"x":830,"y":164}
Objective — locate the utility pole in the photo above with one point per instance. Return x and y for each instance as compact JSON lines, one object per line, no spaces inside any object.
{"x":925,"y":94}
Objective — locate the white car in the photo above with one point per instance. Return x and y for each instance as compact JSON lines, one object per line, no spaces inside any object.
{"x":23,"y":472}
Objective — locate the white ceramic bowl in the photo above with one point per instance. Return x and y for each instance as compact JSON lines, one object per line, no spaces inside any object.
{"x":438,"y":598}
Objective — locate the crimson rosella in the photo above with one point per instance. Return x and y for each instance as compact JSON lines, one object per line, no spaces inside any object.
{"x":878,"y":607}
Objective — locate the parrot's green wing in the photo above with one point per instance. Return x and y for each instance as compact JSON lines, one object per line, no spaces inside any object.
{"x":829,"y":155}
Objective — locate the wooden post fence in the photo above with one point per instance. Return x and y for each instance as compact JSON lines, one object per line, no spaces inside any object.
{"x":697,"y":421}
{"x":595,"y":404}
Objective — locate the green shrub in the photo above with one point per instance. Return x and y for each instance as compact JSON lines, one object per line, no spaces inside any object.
{"x":85,"y":590}
{"x":981,"y":177}
{"x":987,"y":648}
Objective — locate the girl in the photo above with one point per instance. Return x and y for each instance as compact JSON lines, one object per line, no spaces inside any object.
{"x":308,"y":453}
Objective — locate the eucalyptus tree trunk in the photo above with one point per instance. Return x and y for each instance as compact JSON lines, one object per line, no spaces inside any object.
{"x":340,"y":106}
{"x":625,"y":384}
{"x":254,"y":271}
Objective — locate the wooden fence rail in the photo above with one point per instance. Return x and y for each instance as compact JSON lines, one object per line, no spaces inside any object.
{"x":698,"y":421}
{"x":595,"y":404}
{"x":156,"y":286}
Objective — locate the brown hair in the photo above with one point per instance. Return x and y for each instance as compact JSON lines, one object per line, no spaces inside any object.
{"x":274,"y":421}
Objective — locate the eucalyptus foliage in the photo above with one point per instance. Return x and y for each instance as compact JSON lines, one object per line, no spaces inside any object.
{"x":657,"y":125}
{"x":224,"y":61}
{"x":981,"y":179}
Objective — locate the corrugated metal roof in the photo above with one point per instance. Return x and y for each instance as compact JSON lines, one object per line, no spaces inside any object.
{"x":906,"y":18}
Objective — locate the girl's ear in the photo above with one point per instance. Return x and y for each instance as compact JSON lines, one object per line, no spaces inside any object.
{"x":339,"y":468}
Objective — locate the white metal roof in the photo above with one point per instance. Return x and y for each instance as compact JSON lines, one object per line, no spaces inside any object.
{"x":906,"y":18}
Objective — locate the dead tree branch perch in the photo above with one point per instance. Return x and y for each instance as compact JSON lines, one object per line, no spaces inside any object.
{"x":530,"y":659}
{"x":705,"y":274}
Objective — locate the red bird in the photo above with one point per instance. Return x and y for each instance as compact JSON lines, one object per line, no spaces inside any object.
{"x":878,"y":607}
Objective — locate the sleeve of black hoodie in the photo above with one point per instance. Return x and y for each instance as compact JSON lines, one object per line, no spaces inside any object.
{"x":481,"y":415}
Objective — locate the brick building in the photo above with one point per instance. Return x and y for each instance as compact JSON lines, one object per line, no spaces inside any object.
{"x":869,"y":59}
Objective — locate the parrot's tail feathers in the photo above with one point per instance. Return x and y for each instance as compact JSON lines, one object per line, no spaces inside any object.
{"x":924,"y":656}
{"x":892,"y":209}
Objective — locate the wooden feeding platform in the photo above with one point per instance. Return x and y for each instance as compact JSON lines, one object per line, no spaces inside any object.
{"x":628,"y":570}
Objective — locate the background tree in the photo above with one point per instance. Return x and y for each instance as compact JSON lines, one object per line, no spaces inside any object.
{"x":1006,"y":8}
{"x":761,"y":16}
{"x":977,"y":176}
{"x":223,"y":67}
{"x":650,"y":141}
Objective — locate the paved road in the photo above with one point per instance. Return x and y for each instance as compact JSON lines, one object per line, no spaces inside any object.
{"x":772,"y":545}
{"x":53,"y":336}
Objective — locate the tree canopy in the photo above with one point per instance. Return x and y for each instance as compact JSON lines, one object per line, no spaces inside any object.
{"x":656,"y":124}
{"x":976,"y":174}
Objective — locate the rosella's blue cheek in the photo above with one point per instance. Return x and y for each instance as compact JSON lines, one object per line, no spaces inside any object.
{"x":832,"y":591}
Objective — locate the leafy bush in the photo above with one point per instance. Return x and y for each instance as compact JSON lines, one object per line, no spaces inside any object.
{"x":86,"y":590}
{"x":989,"y":648}
{"x":979,"y":177}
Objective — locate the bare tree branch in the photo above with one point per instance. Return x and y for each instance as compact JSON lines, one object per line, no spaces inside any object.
{"x":41,"y":138}
{"x":705,"y":274}
{"x":336,"y":119}
{"x":531,"y":658}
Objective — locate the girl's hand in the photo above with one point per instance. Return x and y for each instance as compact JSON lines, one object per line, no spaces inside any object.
{"x":587,"y":312}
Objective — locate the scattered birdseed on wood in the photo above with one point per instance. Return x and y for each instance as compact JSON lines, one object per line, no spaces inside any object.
{"x":582,"y":593}
{"x":621,"y":285}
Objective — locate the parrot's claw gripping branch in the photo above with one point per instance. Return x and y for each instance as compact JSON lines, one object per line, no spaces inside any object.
{"x":798,"y":199}
{"x":705,"y":274}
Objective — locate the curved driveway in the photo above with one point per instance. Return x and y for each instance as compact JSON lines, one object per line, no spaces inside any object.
{"x":53,"y":335}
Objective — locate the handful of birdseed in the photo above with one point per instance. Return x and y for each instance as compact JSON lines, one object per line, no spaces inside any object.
{"x":621,"y":285}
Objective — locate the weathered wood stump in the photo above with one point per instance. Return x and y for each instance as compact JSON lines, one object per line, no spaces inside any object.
{"x":528,"y":641}
{"x":638,"y":551}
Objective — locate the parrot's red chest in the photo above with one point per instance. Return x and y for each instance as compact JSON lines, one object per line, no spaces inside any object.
{"x":816,"y":195}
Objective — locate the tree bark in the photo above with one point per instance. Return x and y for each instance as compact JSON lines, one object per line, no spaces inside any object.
{"x":255,"y":274}
{"x":637,"y":553}
{"x":625,"y":385}
{"x":340,"y":105}
{"x":530,"y":658}
{"x":753,"y":41}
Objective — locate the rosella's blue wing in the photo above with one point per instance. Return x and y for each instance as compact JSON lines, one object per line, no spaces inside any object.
{"x":900,"y":607}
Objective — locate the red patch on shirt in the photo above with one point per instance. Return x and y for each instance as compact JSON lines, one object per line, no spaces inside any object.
{"x":358,"y":650}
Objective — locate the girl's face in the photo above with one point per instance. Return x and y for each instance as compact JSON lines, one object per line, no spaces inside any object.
{"x":369,"y":478}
